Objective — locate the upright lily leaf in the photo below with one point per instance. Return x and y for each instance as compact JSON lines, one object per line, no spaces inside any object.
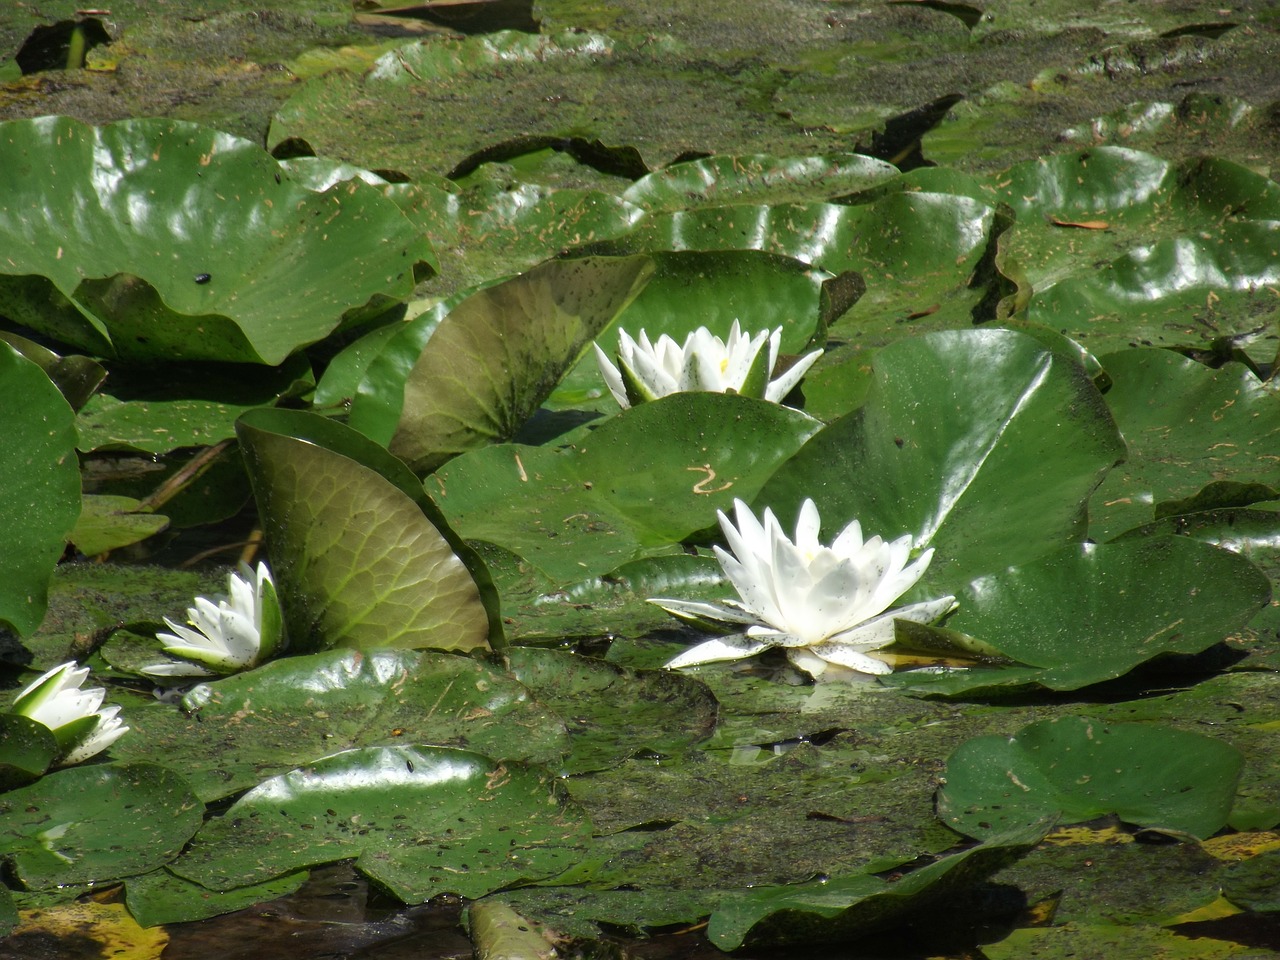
{"x":1091,"y":612}
{"x":419,"y":820}
{"x":97,"y":822}
{"x":40,"y":478}
{"x":842,"y":908}
{"x":1186,"y":426}
{"x":357,"y":560}
{"x":234,"y":733}
{"x":1148,"y":775}
{"x":981,"y":444}
{"x":160,"y":239}
{"x":640,"y":483}
{"x":500,"y":353}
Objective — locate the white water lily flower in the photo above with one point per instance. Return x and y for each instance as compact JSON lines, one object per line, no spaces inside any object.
{"x":71,"y":714}
{"x":231,"y":633}
{"x":825,"y":605}
{"x":647,"y":371}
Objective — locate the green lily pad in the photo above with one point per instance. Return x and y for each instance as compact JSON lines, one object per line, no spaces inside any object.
{"x":234,"y":733}
{"x":497,"y":356}
{"x":419,"y":820}
{"x":27,"y":747}
{"x":1186,"y":426}
{"x":838,"y":909}
{"x":693,"y":289}
{"x":612,"y":712}
{"x":41,"y":480}
{"x":108,"y":522}
{"x":357,"y":560}
{"x":1252,"y":883}
{"x":954,"y":423}
{"x":95,"y":823}
{"x":1148,"y":775}
{"x":162,"y":897}
{"x":918,"y":252}
{"x":720,"y":180}
{"x":195,"y":405}
{"x":189,"y":244}
{"x":76,"y":377}
{"x":1129,"y":941}
{"x":577,"y":513}
{"x":1094,"y":612}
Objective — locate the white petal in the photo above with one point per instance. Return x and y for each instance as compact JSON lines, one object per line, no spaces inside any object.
{"x":850,"y":656}
{"x":177,"y":669}
{"x":779,"y":388}
{"x":702,"y":611}
{"x":612,"y":378}
{"x":110,"y":729}
{"x":717,"y":649}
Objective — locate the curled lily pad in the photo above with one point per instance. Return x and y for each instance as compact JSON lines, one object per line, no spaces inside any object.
{"x":1080,"y":768}
{"x":497,"y":355}
{"x":188,"y":243}
{"x":41,"y":481}
{"x":361,"y":557}
{"x":419,"y":820}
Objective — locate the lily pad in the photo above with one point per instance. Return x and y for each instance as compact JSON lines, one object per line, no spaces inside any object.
{"x":92,"y":823}
{"x":614,"y":713}
{"x":419,"y":820}
{"x":576,"y":513}
{"x":953,"y":424}
{"x":843,"y":907}
{"x":161,"y":897}
{"x":498,"y":355}
{"x":721,"y":180}
{"x":107,"y":523}
{"x":1186,"y":426}
{"x":41,"y":479}
{"x":1151,"y":776}
{"x":693,"y":289}
{"x":234,"y":733}
{"x":189,"y":243}
{"x":357,"y":560}
{"x":1093,"y":612}
{"x":27,"y":747}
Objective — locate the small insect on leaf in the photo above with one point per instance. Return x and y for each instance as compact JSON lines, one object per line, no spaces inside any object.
{"x":203,"y":277}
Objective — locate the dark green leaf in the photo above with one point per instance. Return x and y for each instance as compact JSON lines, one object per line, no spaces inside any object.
{"x":1094,"y":612}
{"x":1151,"y":776}
{"x":237,"y":731}
{"x":419,"y":820}
{"x":41,"y":482}
{"x":614,"y":712}
{"x":843,"y":908}
{"x":161,"y":897}
{"x":96,"y":822}
{"x":641,"y":482}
